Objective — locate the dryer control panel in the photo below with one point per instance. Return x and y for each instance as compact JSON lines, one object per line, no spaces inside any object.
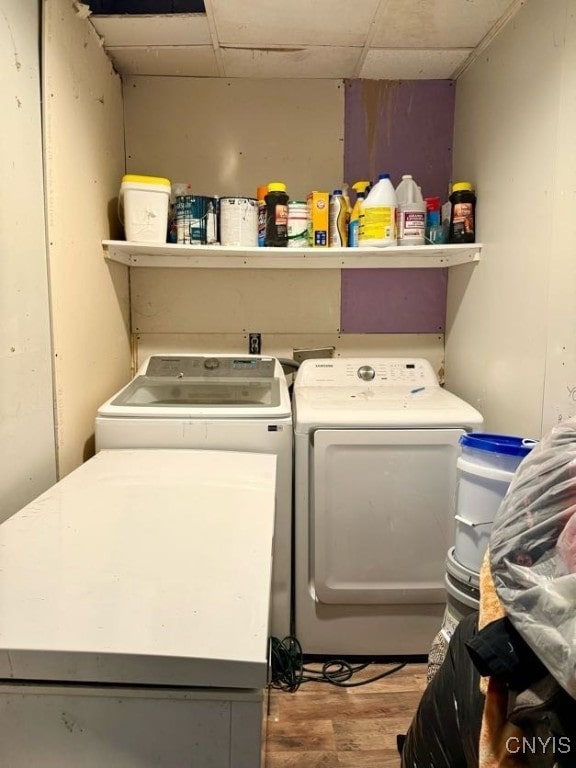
{"x":379,"y":372}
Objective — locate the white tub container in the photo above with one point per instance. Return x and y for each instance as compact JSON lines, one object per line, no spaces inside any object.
{"x":485,"y":469}
{"x":144,"y":203}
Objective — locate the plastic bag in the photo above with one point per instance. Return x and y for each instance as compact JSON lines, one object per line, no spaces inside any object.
{"x":533,"y":552}
{"x":445,"y":730}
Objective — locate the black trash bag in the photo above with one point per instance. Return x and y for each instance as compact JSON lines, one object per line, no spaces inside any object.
{"x":445,"y":731}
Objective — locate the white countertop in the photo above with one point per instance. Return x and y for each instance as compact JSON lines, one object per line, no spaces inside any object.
{"x":142,"y":566}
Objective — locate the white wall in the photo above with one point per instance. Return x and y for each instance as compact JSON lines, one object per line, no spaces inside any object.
{"x":560,"y":382}
{"x":510,"y":332}
{"x":225,"y":137}
{"x":27,"y":455}
{"x":84,"y":167}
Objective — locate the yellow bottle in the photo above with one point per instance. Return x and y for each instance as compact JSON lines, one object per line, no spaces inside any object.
{"x":354,"y":223}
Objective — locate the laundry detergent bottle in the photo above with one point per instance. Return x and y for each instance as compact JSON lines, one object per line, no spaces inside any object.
{"x":379,"y":208}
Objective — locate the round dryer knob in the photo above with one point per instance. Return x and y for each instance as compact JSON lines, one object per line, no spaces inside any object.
{"x":366,"y":372}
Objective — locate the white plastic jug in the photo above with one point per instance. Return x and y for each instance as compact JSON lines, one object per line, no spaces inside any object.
{"x":411,"y":212}
{"x":378,"y":213}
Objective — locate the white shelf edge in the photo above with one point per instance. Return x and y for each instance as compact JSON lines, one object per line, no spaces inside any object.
{"x":223,"y":257}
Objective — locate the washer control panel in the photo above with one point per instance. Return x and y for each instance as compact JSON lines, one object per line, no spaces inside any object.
{"x":196,"y":366}
{"x":377,"y":372}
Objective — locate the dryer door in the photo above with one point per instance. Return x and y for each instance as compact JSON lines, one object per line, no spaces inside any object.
{"x":381,"y":516}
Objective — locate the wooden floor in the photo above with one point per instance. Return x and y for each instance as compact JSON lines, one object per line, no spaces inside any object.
{"x":324,"y":726}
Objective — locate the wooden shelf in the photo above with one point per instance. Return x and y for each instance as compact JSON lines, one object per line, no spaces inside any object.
{"x":223,"y":257}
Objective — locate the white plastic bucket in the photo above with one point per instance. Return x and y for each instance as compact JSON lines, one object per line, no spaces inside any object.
{"x":485,"y":469}
{"x":144,"y":202}
{"x":239,"y":221}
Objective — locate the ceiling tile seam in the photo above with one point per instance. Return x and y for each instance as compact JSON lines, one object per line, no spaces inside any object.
{"x":374,"y":24}
{"x":129,"y":17}
{"x":214,"y":37}
{"x":284,"y":49}
{"x":424,"y":49}
{"x":492,"y":33}
{"x":287,"y":48}
{"x":149,"y":46}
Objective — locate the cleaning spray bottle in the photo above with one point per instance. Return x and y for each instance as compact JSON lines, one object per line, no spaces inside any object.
{"x":360,"y":188}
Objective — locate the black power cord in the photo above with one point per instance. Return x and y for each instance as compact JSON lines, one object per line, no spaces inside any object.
{"x":289,"y":671}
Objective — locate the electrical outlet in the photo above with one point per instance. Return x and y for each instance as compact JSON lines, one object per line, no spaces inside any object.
{"x":311,"y":354}
{"x":254,"y":343}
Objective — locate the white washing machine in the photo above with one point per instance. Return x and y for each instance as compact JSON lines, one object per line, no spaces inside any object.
{"x":376,"y":444}
{"x":223,"y":402}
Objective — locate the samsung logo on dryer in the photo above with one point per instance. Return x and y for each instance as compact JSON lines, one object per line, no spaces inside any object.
{"x":323,"y":365}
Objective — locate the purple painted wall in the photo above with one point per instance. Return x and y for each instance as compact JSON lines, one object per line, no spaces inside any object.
{"x":397,"y":127}
{"x":393,"y":300}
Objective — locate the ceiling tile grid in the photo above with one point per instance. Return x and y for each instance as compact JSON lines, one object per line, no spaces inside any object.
{"x":303,"y":62}
{"x":175,"y":61}
{"x":374,"y":39}
{"x":407,"y":64}
{"x":299,"y":22}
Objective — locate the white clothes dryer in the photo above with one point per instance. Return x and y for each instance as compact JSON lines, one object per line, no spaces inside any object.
{"x":376,"y":445}
{"x":214,"y":402}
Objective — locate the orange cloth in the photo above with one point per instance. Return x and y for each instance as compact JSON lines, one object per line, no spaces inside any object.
{"x":495,"y":730}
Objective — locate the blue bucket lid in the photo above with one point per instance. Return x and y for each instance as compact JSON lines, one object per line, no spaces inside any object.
{"x":506,"y":444}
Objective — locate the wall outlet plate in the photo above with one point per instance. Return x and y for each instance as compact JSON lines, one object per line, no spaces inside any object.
{"x":254,"y":343}
{"x":311,"y":354}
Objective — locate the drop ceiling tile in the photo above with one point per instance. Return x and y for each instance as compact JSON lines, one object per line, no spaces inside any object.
{"x":180,"y":29}
{"x":318,"y":62}
{"x":395,"y":64}
{"x":297,"y":22}
{"x":429,"y":24}
{"x":178,"y":61}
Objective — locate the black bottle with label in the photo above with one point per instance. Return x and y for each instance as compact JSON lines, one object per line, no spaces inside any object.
{"x":276,"y":215}
{"x":462,"y":214}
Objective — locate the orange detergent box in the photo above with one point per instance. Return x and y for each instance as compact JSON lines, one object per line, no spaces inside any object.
{"x":318,"y":218}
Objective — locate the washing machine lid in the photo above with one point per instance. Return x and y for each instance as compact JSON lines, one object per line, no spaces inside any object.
{"x":376,"y":393}
{"x":223,"y":386}
{"x":142,"y":567}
